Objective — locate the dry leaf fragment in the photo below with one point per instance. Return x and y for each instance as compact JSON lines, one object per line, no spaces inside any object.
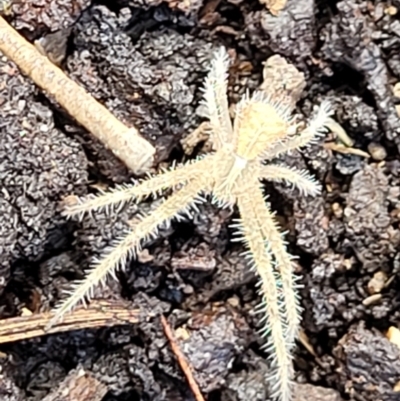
{"x":280,"y":78}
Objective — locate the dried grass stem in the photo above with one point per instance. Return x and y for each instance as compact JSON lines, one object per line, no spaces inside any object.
{"x":124,"y":142}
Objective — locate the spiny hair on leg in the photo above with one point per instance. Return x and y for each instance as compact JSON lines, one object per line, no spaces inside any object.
{"x":222,"y":203}
{"x":82,"y":290}
{"x":215,"y":99}
{"x":115,"y":198}
{"x":277,"y":345}
{"x":318,"y":125}
{"x":283,"y":263}
{"x":296,"y":178}
{"x":130,"y":244}
{"x":280,"y":376}
{"x":263,"y":272}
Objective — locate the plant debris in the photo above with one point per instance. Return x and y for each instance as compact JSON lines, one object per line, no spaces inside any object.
{"x":126,"y":143}
{"x":100,"y":313}
{"x":145,"y":60}
{"x":182,"y":360}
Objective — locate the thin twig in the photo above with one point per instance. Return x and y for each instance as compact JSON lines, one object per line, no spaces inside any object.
{"x":97,"y":314}
{"x":126,"y":143}
{"x":182,"y":360}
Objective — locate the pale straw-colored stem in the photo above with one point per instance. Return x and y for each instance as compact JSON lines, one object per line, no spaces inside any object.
{"x":125,"y":142}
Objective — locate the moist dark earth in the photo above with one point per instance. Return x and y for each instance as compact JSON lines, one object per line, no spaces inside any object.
{"x":146,"y":60}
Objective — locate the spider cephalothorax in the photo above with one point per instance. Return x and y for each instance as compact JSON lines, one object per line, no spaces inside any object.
{"x":261,"y":130}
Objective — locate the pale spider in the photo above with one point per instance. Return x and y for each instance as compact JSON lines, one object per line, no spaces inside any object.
{"x":262,"y":129}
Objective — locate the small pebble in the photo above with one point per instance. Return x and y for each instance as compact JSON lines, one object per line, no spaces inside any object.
{"x":393,"y":335}
{"x":377,"y":283}
{"x":377,"y":151}
{"x":188,"y":289}
{"x":337,"y":210}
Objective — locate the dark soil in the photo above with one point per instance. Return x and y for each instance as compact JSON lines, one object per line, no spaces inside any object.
{"x":145,"y":60}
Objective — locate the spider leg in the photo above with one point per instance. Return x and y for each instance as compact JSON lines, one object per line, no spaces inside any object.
{"x":129,"y":245}
{"x":124,"y":193}
{"x":250,"y":201}
{"x":273,"y":236}
{"x":317,"y":126}
{"x":215,"y":99}
{"x":300,"y":179}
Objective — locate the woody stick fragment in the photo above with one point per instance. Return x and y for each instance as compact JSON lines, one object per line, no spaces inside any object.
{"x":100,"y":313}
{"x":125,"y":142}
